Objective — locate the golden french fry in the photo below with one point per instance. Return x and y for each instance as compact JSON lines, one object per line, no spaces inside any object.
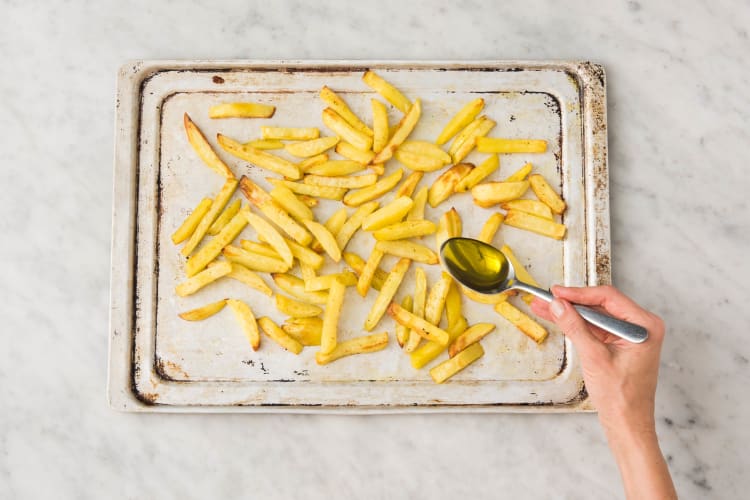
{"x":402,"y":332}
{"x":221,"y":200}
{"x":420,"y":298}
{"x":313,"y":147}
{"x":336,"y":168}
{"x":304,"y":165}
{"x":538,"y":225}
{"x":379,"y":125}
{"x":290,"y":133}
{"x":279,"y":336}
{"x":259,"y":157}
{"x":295,"y":308}
{"x":334,"y":224}
{"x":357,"y":197}
{"x":470,"y":141}
{"x":472,"y":335}
{"x":340,"y":107}
{"x":261,"y":248}
{"x":365,"y":277}
{"x":264,"y":144}
{"x":204,"y":150}
{"x":445,"y":370}
{"x":296,"y":287}
{"x":528,"y":326}
{"x":187,"y":228}
{"x":520,"y":174}
{"x":488,"y":194}
{"x":468,"y":133}
{"x":203,"y":312}
{"x":490,"y":227}
{"x":404,"y":230}
{"x":358,"y":265}
{"x":306,"y":331}
{"x":453,"y":306}
{"x":388,"y":291}
{"x":534,"y":207}
{"x":428,"y":351}
{"x":474,"y":177}
{"x":424,"y":328}
{"x":246,"y":319}
{"x":388,"y":91}
{"x":377,"y":169}
{"x":223,"y":219}
{"x":289,"y":202}
{"x":389,"y":214}
{"x":250,"y":278}
{"x":341,"y":127}
{"x":348,"y":182}
{"x":272,"y":236}
{"x":211,"y":250}
{"x":546,"y":194}
{"x":417,"y":162}
{"x":324,"y":282}
{"x":325,"y":238}
{"x":460,"y":120}
{"x":408,"y":250}
{"x":445,"y":185}
{"x":354,"y":222}
{"x":309,"y":201}
{"x":241,"y":110}
{"x":307,"y":272}
{"x":310,"y":189}
{"x":403,"y":129}
{"x":305,"y":255}
{"x":410,"y":183}
{"x":420,"y":200}
{"x":522,"y":273}
{"x":273,"y":211}
{"x":449,"y":226}
{"x":425,"y":148}
{"x":495,"y":145}
{"x":331,"y":317}
{"x":348,"y":151}
{"x":360,"y":345}
{"x":433,"y":309}
{"x":481,"y":298}
{"x":254,"y":261}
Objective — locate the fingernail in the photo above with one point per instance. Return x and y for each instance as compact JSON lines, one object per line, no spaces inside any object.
{"x":556,"y":308}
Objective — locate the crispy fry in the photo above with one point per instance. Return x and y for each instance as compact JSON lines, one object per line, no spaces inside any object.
{"x":417,"y":162}
{"x":309,"y":189}
{"x":295,"y":308}
{"x":187,"y":228}
{"x":420,"y":200}
{"x":304,"y":165}
{"x":360,"y":345}
{"x":264,"y":144}
{"x":348,"y":151}
{"x":433,"y":309}
{"x":354,"y":222}
{"x":203,"y":312}
{"x":402,"y":332}
{"x":424,"y":328}
{"x":377,"y":169}
{"x":204,"y":150}
{"x":388,"y":291}
{"x":347,"y":278}
{"x":379,"y":125}
{"x":246,"y":319}
{"x":289,"y":202}
{"x":365,"y":277}
{"x":472,"y":335}
{"x":470,"y":140}
{"x":312,"y":147}
{"x":210,"y":251}
{"x":271,"y":235}
{"x":546,"y":194}
{"x":221,"y":200}
{"x":348,"y":182}
{"x":261,"y":248}
{"x":357,"y":197}
{"x":325,"y":238}
{"x":539,"y":225}
{"x":307,"y":272}
{"x":495,"y":145}
{"x":254,"y":261}
{"x":223,"y":219}
{"x":453,"y":305}
{"x":431,"y":350}
{"x":279,"y":336}
{"x":449,"y":226}
{"x":241,"y":110}
{"x":445,"y":370}
{"x":290,"y":133}
{"x":306,"y":331}
{"x":336,"y":168}
{"x":488,"y":194}
{"x":340,"y":107}
{"x":425,"y":148}
{"x":305,"y":255}
{"x":259,"y":157}
{"x":340,"y":127}
{"x":490,"y":227}
{"x":334,"y":224}
{"x":388,"y":91}
{"x":528,"y":326}
{"x":389,"y":214}
{"x":534,"y":207}
{"x":520,"y":174}
{"x":404,"y":128}
{"x":309,"y":201}
{"x":468,"y":133}
{"x":250,"y":278}
{"x":273,"y":211}
{"x":492,"y":299}
{"x":296,"y":287}
{"x":331,"y":317}
{"x":404,"y":230}
{"x":522,"y":273}
{"x":474,"y":177}
{"x":358,"y":264}
{"x":445,"y":185}
{"x":460,"y":120}
{"x":410,"y":183}
{"x":420,"y":298}
{"x":409,"y":250}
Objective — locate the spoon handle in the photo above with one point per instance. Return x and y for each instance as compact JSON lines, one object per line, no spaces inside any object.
{"x":623,"y":329}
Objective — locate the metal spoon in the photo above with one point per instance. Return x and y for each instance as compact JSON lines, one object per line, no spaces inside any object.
{"x":485,"y":269}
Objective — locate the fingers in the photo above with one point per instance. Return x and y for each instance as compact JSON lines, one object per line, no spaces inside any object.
{"x":577,"y":330}
{"x":607,"y":297}
{"x":541,"y":309}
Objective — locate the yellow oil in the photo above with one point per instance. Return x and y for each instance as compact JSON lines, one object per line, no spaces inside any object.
{"x":475,"y":264}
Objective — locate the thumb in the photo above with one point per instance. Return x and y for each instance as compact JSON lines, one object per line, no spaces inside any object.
{"x":576,"y":329}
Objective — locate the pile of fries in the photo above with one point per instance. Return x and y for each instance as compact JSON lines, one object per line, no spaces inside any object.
{"x":292,"y":245}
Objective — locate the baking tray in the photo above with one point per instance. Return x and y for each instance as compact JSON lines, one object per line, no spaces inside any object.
{"x":159,"y":363}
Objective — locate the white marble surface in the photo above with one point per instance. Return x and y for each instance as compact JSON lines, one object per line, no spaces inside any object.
{"x":679,"y":117}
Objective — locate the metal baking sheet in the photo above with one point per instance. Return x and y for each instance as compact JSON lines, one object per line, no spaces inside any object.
{"x":161,"y":363}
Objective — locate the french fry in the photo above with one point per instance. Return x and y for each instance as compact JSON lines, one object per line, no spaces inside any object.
{"x":348,"y":151}
{"x":203,"y":312}
{"x":273,"y":211}
{"x":313,"y":147}
{"x":328,"y":193}
{"x":264,"y":144}
{"x":402,"y":332}
{"x":358,"y":197}
{"x":495,"y":145}
{"x":404,"y":230}
{"x":428,"y":351}
{"x":223,"y":219}
{"x":358,"y":264}
{"x":296,"y":288}
{"x":304,"y":165}
{"x":420,"y":200}
{"x":417,"y":162}
{"x":472,"y":335}
{"x":420,"y":298}
{"x":204,"y":150}
{"x":445,"y":185}
{"x":261,"y":248}
{"x":365,"y":277}
{"x":534,"y":207}
{"x":354,"y":222}
{"x":520,"y":174}
{"x":522,"y":273}
{"x":468,"y":133}
{"x":445,"y":370}
{"x":546,"y":194}
{"x":187,"y":228}
{"x":528,"y":326}
{"x":340,"y":107}
{"x":389,"y":214}
{"x":492,"y":299}
{"x":309,"y":201}
{"x":259,"y":157}
{"x":433,"y":309}
{"x":254,"y":261}
{"x":334,"y":224}
{"x":460,"y":120}
{"x":221,"y":200}
{"x":453,"y":306}
{"x":423,"y":327}
{"x":403,"y":129}
{"x":348,"y":182}
{"x":279,"y":336}
{"x":377,"y":169}
{"x":490,"y":227}
{"x":449,"y":226}
{"x":272,"y":236}
{"x":295,"y":308}
{"x":388,"y":291}
{"x":325,"y":238}
{"x":488,"y":194}
{"x":538,"y":225}
{"x":470,"y":141}
{"x":379,"y":125}
{"x":305,"y":255}
{"x":289,"y":202}
{"x":360,"y":345}
{"x":306,"y":331}
{"x":290,"y":133}
{"x":336,"y":168}
{"x":331,"y":317}
{"x":246,"y":319}
{"x":211,"y":250}
{"x":474,"y":177}
{"x":250,"y":278}
{"x":408,"y":250}
{"x":241,"y":110}
{"x":307,"y":272}
{"x":388,"y":91}
{"x":324,"y":282}
{"x":410,"y":183}
{"x":425,"y":148}
{"x":340,"y":127}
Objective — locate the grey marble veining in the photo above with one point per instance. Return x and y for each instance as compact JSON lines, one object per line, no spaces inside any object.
{"x":679,"y":122}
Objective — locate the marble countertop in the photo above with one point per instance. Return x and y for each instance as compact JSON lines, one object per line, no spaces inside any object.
{"x":679,"y":122}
